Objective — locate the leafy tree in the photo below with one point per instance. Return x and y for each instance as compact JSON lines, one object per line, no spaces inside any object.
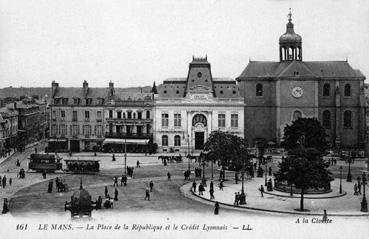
{"x":305,"y":169}
{"x":228,"y":149}
{"x":306,"y":132}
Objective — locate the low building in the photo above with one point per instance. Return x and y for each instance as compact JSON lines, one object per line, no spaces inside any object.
{"x":32,"y":121}
{"x":9,"y":128}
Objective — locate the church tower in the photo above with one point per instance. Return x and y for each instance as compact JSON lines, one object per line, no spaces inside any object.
{"x":290,"y":43}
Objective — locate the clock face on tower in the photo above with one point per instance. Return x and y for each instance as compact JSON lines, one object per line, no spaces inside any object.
{"x":297,"y":92}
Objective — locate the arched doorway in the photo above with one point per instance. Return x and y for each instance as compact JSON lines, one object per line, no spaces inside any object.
{"x":199,"y":123}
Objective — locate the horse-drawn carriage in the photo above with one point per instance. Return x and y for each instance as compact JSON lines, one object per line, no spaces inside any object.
{"x":44,"y":163}
{"x":82,"y":166}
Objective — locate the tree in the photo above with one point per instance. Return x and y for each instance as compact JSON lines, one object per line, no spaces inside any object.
{"x":228,"y":149}
{"x":305,"y":169}
{"x":306,"y":132}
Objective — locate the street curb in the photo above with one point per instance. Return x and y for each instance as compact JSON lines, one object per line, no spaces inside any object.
{"x":273,"y":211}
{"x":284,"y":196}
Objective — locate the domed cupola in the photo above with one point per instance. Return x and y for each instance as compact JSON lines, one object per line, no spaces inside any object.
{"x":290,"y":43}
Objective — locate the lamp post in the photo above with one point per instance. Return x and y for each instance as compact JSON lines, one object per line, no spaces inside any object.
{"x":341,"y":179}
{"x":266,"y":173}
{"x":349,"y":177}
{"x":188,"y":146}
{"x":364,"y":203}
{"x":203,"y":181}
{"x":243,"y":196}
{"x":125,"y":156}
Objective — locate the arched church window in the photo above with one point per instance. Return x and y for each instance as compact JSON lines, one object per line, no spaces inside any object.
{"x":347,"y":90}
{"x":347,"y":119}
{"x":199,"y":118}
{"x":164,"y":140}
{"x":259,"y":89}
{"x":297,"y":115}
{"x":326,"y":89}
{"x":327,"y":118}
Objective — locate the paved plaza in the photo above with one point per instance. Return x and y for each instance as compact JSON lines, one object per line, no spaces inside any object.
{"x":29,"y":196}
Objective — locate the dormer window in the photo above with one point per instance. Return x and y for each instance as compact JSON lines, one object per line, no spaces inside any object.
{"x":89,"y":101}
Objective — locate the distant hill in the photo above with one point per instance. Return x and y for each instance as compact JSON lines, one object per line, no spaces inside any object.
{"x":42,"y":91}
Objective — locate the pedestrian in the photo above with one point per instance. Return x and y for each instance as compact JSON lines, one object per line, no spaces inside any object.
{"x":106,"y":192}
{"x":35,"y":150}
{"x":216,"y":208}
{"x":116,"y":194}
{"x":270,"y":171}
{"x":113,"y":158}
{"x":355,"y":190}
{"x":115,"y":179}
{"x":5,"y":206}
{"x":10,"y":181}
{"x":4,"y":181}
{"x":147,"y":194}
{"x":194,"y":184}
{"x":50,"y":186}
{"x":201,"y":189}
{"x":262,"y":190}
{"x":168,"y":174}
{"x":359,"y":185}
{"x":211,"y":185}
{"x":236,"y":177}
{"x":236,"y":198}
{"x":18,"y":163}
{"x":211,"y":191}
{"x":138,"y":164}
{"x":151,"y":184}
{"x":221,"y":185}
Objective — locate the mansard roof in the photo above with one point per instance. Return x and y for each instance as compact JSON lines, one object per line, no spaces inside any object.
{"x":312,"y":69}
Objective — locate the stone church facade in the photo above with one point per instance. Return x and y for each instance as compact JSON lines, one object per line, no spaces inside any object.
{"x":276,"y":93}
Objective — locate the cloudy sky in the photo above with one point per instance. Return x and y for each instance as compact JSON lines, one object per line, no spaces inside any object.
{"x":134,"y":43}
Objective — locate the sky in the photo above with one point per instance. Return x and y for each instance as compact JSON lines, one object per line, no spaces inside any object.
{"x":134,"y":43}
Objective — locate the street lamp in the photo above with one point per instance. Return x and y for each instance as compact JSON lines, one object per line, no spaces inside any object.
{"x":125,"y":156}
{"x":364,"y":203}
{"x":349,"y":177}
{"x":243,"y":196}
{"x":266,"y":173}
{"x":341,"y":179}
{"x":203,"y":181}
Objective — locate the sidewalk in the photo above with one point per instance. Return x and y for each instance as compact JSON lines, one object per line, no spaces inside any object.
{"x":345,"y":205}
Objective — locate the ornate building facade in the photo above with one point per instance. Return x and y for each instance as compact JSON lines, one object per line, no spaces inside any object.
{"x":94,"y":119}
{"x":128,"y":117}
{"x":187,"y":110}
{"x":276,"y":93}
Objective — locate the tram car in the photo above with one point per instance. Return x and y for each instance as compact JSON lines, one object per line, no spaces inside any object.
{"x":82,"y":166}
{"x":44,"y":163}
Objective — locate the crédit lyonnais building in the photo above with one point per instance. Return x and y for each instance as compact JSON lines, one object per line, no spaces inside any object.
{"x":187,"y":110}
{"x":276,"y":93}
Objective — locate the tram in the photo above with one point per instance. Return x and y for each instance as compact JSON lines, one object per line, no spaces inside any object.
{"x":82,"y":166}
{"x":48,"y":163}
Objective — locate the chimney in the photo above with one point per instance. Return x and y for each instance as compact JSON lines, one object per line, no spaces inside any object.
{"x":111,"y":89}
{"x":54,"y":87}
{"x":85,"y":88}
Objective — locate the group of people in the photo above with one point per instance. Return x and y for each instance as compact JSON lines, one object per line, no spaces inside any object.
{"x":198,"y":172}
{"x":5,"y":153}
{"x":108,"y":203}
{"x":148,"y":191}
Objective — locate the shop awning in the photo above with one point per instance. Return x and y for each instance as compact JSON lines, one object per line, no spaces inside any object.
{"x":123,"y":141}
{"x":57,"y":140}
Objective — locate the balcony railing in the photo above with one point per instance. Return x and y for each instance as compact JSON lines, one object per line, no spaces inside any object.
{"x":128,"y":136}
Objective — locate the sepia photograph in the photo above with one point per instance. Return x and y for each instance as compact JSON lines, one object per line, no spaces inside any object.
{"x":184,"y":119}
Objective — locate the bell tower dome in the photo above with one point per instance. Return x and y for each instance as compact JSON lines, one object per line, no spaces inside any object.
{"x":290,"y":43}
